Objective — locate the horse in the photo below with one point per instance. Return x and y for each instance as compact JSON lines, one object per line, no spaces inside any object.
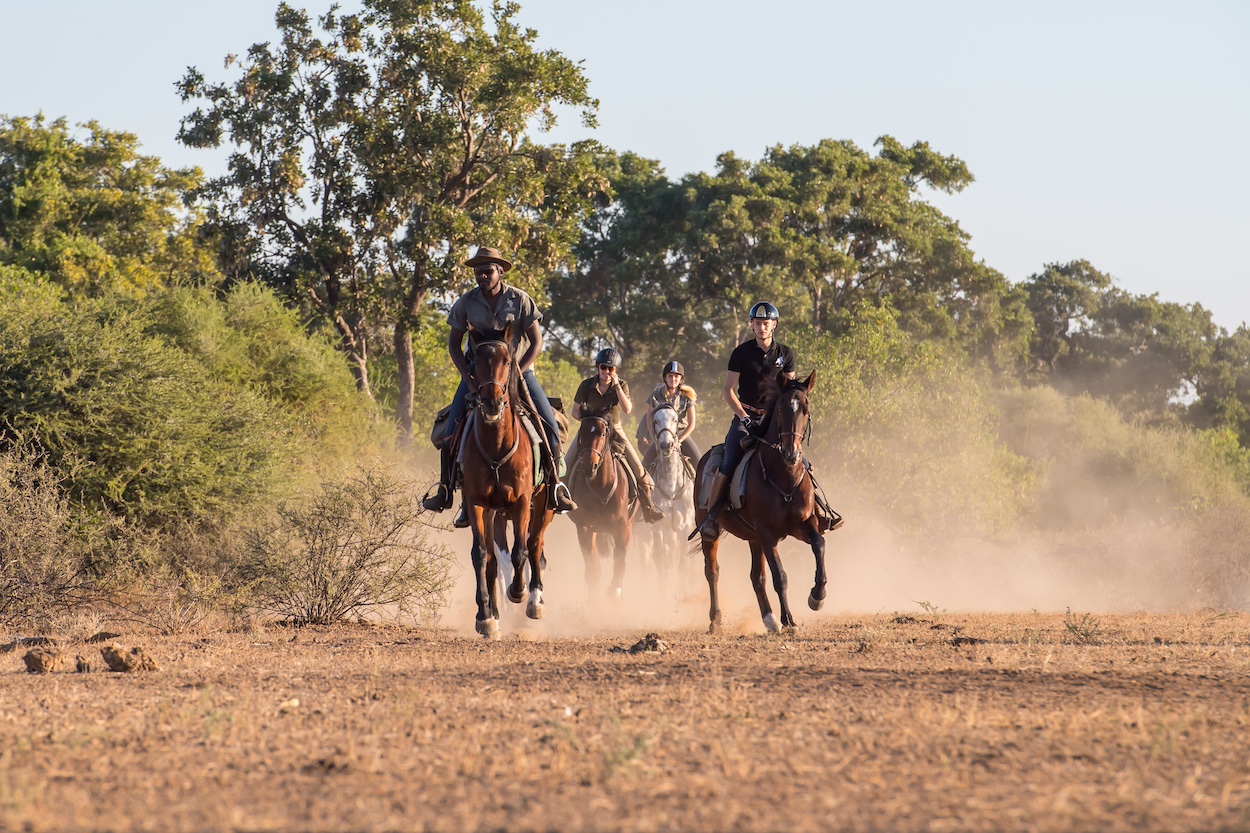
{"x":600,"y":486}
{"x":673,"y":495}
{"x":779,"y":502}
{"x":498,"y":483}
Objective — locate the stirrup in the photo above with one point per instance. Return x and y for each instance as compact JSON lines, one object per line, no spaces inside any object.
{"x":562,"y":499}
{"x":709,"y":529}
{"x":437,"y":499}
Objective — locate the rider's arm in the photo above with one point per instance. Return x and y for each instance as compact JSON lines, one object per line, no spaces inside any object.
{"x":535,"y":334}
{"x":689,"y":424}
{"x":731,"y":393}
{"x":455,"y":346}
{"x":578,"y":410}
{"x":622,"y":396}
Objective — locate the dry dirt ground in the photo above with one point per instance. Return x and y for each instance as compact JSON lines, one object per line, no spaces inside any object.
{"x":892,"y":721}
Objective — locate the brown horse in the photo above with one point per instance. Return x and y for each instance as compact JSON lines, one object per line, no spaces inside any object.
{"x":498,"y":482}
{"x":779,"y":502}
{"x":601,"y":488}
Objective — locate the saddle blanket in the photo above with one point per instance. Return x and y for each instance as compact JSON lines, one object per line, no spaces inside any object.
{"x":737,"y":482}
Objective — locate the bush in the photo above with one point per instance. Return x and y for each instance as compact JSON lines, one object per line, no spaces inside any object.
{"x":355,"y":548}
{"x":911,"y":431}
{"x":177,"y":408}
{"x":44,"y":551}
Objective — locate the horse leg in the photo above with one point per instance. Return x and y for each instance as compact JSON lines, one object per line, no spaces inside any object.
{"x":539,"y":519}
{"x":586,"y":538}
{"x":620,"y":545}
{"x":780,"y":584}
{"x":761,"y":591}
{"x":520,"y":536}
{"x":816,"y":599}
{"x":711,"y":570}
{"x":485,"y":569}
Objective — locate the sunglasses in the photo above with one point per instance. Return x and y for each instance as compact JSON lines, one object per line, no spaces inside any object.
{"x":606,"y":367}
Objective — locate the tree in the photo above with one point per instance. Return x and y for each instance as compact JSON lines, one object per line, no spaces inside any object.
{"x":92,"y":214}
{"x":818,"y":230}
{"x":370,"y":157}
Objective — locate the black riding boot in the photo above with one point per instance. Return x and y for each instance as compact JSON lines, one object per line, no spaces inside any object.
{"x":710,"y":529}
{"x":440,"y":498}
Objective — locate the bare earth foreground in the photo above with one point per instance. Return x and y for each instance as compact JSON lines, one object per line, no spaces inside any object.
{"x":885,"y":722}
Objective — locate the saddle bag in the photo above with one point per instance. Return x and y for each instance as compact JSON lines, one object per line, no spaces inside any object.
{"x":438,"y":433}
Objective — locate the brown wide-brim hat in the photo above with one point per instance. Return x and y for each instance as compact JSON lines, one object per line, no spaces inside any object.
{"x":485,"y":254}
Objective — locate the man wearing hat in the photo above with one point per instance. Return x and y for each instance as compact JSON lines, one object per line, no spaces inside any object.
{"x":493,"y":305}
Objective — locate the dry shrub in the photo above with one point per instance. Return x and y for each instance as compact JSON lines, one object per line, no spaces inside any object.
{"x":356,"y":548}
{"x":44,"y":548}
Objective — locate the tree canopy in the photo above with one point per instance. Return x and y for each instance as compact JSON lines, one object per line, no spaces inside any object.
{"x":371,"y":154}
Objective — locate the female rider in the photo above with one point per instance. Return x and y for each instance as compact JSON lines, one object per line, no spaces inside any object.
{"x":606,"y":395}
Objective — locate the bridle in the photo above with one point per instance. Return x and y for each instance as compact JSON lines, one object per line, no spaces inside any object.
{"x":499,"y":406}
{"x":604,"y":456}
{"x":794,"y":448}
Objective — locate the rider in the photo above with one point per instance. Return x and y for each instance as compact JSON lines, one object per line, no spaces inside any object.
{"x":492,"y":306}
{"x":606,"y":394}
{"x":681,"y":397}
{"x":751,"y":365}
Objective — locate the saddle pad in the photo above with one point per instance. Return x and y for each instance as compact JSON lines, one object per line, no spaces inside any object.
{"x":536,"y":445}
{"x":736,"y":482}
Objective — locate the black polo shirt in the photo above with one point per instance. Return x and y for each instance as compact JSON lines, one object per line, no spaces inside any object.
{"x":754,"y":365}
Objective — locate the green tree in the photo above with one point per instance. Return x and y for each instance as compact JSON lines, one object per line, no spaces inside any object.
{"x":370,"y":156}
{"x":818,"y":230}
{"x":94,"y":215}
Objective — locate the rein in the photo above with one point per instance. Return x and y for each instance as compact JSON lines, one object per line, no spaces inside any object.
{"x":803,"y":435}
{"x":505,"y":403}
{"x":608,"y":458}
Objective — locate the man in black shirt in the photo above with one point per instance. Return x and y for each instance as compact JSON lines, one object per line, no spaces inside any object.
{"x":751,"y":364}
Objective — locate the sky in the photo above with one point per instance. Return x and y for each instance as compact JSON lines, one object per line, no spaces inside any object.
{"x":1115,"y":132}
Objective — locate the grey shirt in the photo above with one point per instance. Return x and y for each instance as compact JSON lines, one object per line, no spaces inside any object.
{"x":472,"y":311}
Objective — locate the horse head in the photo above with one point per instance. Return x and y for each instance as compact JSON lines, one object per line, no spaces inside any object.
{"x":664,"y":427}
{"x":593,"y":440}
{"x":791,"y":416}
{"x":493,"y":370}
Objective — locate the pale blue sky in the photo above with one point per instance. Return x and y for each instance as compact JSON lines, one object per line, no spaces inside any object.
{"x":1114,"y":131}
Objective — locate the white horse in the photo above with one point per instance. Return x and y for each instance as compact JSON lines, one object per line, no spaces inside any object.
{"x":673,"y":495}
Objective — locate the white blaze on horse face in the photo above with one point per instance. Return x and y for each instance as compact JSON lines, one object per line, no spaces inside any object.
{"x":794,"y":407}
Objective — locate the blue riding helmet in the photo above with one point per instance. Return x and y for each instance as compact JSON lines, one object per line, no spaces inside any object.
{"x":764,"y":310}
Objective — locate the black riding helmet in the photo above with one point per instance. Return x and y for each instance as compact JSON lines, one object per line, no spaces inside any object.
{"x":764,"y":310}
{"x":609,"y":357}
{"x":673,"y":367}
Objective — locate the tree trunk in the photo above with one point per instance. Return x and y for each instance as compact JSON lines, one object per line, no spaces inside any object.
{"x":406,"y":381}
{"x":405,"y":366}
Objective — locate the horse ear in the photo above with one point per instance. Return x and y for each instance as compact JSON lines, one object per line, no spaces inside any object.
{"x":811,"y":381}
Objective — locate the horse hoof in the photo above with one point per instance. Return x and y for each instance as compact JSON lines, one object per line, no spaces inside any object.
{"x":770,"y":622}
{"x":518,"y":598}
{"x":488,"y":628}
{"x":534,"y":611}
{"x":815,"y":603}
{"x":714,"y":627}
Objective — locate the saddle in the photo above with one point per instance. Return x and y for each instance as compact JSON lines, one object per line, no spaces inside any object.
{"x":737,"y":481}
{"x":537,"y":443}
{"x":829,"y":518}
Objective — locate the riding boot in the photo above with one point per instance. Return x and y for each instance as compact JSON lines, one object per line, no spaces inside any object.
{"x":710,"y":529}
{"x":462,"y":517}
{"x":560,"y":496}
{"x":649,"y":513}
{"x":440,"y":499}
